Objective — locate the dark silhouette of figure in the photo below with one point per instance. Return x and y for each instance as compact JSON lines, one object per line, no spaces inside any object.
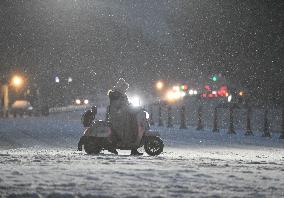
{"x":89,"y":116}
{"x":122,"y":120}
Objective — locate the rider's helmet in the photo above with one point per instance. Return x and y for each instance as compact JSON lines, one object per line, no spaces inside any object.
{"x":121,"y":86}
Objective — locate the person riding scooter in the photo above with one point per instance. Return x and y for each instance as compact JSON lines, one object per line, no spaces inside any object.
{"x":89,"y":116}
{"x":120,"y":117}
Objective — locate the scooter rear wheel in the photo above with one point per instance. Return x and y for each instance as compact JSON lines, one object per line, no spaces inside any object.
{"x":154,"y":146}
{"x":92,"y":148}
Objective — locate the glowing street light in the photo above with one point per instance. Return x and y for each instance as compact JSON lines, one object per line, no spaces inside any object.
{"x":159,"y":85}
{"x":17,"y":81}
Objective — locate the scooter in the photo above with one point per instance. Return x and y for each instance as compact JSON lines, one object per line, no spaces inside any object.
{"x":100,"y":136}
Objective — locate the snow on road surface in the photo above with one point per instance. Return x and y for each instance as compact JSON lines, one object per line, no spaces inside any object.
{"x":38,"y":158}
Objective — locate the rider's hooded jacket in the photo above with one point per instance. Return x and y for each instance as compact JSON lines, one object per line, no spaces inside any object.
{"x":120,"y":117}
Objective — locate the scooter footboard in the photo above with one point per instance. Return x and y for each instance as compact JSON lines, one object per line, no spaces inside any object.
{"x":102,"y":142}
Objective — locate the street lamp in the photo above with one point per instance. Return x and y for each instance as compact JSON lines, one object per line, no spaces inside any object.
{"x":16,"y":81}
{"x":159,"y":85}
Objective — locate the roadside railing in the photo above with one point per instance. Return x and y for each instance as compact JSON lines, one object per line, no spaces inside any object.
{"x":232,"y":117}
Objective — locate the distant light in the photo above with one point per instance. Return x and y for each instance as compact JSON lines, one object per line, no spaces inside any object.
{"x":170,"y":95}
{"x":173,"y":95}
{"x":195,"y":92}
{"x":184,"y":87}
{"x":159,"y":85}
{"x":57,"y":79}
{"x":241,"y":93}
{"x":135,"y":101}
{"x":207,"y":87}
{"x":229,"y":98}
{"x":182,"y":94}
{"x":17,"y":81}
{"x":191,"y":92}
{"x":223,"y":91}
{"x":176,"y":88}
{"x":78,"y":101}
{"x":214,"y":78}
{"x":214,"y":92}
{"x":70,"y":79}
{"x":86,"y":101}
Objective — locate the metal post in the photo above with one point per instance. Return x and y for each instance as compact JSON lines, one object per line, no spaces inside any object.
{"x":160,"y":116}
{"x":151,"y":116}
{"x":182,"y":118}
{"x":5,"y":90}
{"x":215,"y":120}
{"x":266,"y":132}
{"x":170,"y":119}
{"x":248,"y":130}
{"x":282,"y":131}
{"x":199,"y":118}
{"x":231,"y":121}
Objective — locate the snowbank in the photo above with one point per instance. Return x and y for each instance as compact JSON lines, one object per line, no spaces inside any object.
{"x":193,"y":164}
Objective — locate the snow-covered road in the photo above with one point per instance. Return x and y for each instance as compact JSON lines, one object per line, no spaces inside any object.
{"x":39,"y":159}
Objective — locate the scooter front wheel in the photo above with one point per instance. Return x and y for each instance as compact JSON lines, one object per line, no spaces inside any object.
{"x":154,"y":146}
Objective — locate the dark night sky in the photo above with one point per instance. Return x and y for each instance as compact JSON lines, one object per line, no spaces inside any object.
{"x":96,"y":42}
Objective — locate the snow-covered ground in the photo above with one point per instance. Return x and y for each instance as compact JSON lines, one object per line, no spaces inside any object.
{"x":38,"y":158}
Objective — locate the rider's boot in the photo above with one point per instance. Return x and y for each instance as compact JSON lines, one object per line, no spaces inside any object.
{"x":135,"y":152}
